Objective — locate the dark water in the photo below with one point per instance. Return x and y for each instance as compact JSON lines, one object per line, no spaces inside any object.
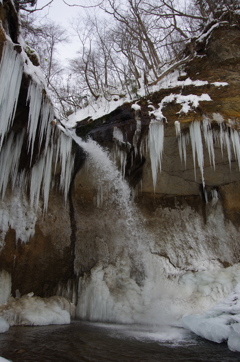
{"x":97,"y":342}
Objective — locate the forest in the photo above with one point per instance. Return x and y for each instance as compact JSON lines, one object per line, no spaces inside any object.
{"x":123,"y":47}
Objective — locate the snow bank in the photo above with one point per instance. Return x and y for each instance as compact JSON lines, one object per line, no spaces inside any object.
{"x":30,"y":310}
{"x":221,"y":323}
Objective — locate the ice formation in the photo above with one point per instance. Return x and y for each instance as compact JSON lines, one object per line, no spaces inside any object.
{"x":4,"y":326}
{"x":197,"y":147}
{"x":30,"y":310}
{"x":201,"y":135}
{"x":155,"y":144}
{"x":40,"y":115}
{"x":11,"y":70}
{"x":38,"y":133}
{"x":221,"y":323}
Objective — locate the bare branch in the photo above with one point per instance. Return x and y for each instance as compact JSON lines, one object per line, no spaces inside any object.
{"x":83,"y":6}
{"x":37,"y":9}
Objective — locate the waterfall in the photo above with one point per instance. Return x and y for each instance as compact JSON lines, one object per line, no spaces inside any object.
{"x":143,"y":276}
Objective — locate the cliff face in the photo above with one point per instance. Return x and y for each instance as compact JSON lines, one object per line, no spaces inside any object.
{"x":35,"y":245}
{"x":178,"y":148}
{"x":187,"y":129}
{"x":206,"y":94}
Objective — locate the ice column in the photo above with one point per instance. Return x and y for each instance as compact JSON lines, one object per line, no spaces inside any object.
{"x":119,"y":154}
{"x":67,"y":162}
{"x":11,"y":70}
{"x":236,"y":145}
{"x":155,"y":144}
{"x":208,"y":137}
{"x":197,"y":147}
{"x":183,"y":141}
{"x":9,"y":161}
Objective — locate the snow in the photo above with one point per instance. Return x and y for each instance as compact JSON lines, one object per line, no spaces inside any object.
{"x":206,"y":34}
{"x":104,"y":106}
{"x":136,"y":107}
{"x":220,"y":323}
{"x":190,"y":101}
{"x":220,"y":84}
{"x":31,"y":310}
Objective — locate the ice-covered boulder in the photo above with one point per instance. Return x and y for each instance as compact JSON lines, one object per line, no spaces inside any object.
{"x":221,"y":323}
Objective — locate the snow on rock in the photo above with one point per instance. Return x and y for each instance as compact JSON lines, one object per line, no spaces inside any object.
{"x":220,"y":323}
{"x":30,"y":310}
{"x":220,"y":84}
{"x":136,"y":107}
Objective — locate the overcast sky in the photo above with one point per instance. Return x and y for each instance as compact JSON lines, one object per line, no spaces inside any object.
{"x":63,"y":15}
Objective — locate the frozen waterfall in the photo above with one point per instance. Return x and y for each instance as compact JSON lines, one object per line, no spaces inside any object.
{"x":132,"y":281}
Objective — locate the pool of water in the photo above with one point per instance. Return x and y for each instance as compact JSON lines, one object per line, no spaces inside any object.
{"x":82,"y":341}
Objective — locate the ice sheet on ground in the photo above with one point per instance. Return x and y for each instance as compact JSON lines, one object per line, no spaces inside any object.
{"x":220,"y":323}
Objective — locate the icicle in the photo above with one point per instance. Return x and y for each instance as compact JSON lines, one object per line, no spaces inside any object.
{"x":11,"y":70}
{"x":36,"y":181}
{"x":120,"y":156}
{"x":155,"y":144}
{"x":34,"y":97}
{"x":214,"y":195}
{"x":9,"y":161}
{"x":47,"y":116}
{"x":67,"y":162}
{"x":208,"y":137}
{"x":236,"y":145}
{"x":227,"y":143}
{"x":100,"y":196}
{"x":197,"y":147}
{"x":177,"y":128}
{"x":217,"y":117}
{"x":118,"y":135}
{"x":47,"y":177}
{"x":137,"y":135}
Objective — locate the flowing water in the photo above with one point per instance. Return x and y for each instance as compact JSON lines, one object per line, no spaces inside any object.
{"x":82,"y":341}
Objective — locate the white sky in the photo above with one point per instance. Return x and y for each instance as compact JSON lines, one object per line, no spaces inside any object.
{"x":64,"y":15}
